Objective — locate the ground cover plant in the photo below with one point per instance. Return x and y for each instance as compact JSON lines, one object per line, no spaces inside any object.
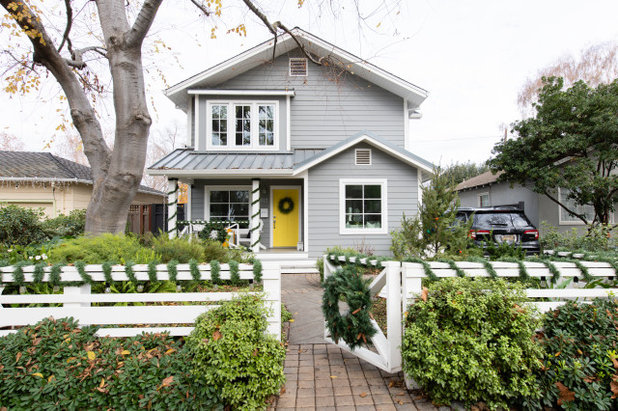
{"x":56,"y":365}
{"x":232,"y":353}
{"x":471,"y":341}
{"x":580,"y":367}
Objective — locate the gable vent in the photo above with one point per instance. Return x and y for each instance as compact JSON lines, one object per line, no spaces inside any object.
{"x":298,"y":66}
{"x":363,"y":156}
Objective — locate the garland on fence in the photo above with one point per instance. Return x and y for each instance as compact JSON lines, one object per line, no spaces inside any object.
{"x":194,"y":269}
{"x":426,"y":268}
{"x":215,"y":270}
{"x":172,"y":270}
{"x":128,"y":270}
{"x":334,"y":257}
{"x":355,"y":326}
{"x":257,"y":270}
{"x":234,"y":273}
{"x":152,"y":272}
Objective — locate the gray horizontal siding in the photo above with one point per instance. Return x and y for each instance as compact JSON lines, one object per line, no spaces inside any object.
{"x":326,"y":108}
{"x":402,"y":196}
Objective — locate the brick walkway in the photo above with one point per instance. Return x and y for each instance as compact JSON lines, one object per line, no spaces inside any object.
{"x":323,"y":377}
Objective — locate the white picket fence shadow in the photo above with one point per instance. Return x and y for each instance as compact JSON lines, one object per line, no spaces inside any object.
{"x":178,"y":319}
{"x":402,"y":283}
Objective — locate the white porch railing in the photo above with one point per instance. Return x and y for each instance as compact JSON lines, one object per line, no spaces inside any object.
{"x":402,"y":283}
{"x":177,"y":319}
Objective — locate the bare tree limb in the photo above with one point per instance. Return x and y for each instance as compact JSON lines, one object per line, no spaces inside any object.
{"x":580,"y":216}
{"x":142,"y":23}
{"x":202,"y":8}
{"x":67,"y":30}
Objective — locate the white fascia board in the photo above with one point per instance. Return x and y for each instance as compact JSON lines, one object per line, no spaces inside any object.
{"x":45,"y":180}
{"x":371,"y":141}
{"x":243,"y":92}
{"x":218,"y":173}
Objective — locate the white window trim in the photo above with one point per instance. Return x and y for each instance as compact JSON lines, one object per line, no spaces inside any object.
{"x":561,"y":210}
{"x":343,"y":230}
{"x":208,"y":189}
{"x":231,"y":125}
{"x":356,"y":157}
{"x":485,"y":193}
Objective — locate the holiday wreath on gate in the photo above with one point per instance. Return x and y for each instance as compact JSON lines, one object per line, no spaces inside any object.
{"x":354,"y":326}
{"x":286,"y":205}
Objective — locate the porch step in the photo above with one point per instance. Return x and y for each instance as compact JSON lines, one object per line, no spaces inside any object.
{"x":283,"y":256}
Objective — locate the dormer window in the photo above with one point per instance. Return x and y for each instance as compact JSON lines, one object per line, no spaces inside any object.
{"x":298,"y":66}
{"x":250,"y":125}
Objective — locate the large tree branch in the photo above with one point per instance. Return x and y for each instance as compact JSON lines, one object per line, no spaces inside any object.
{"x":67,"y":30}
{"x":142,"y":23}
{"x":202,"y":8}
{"x":82,"y":113}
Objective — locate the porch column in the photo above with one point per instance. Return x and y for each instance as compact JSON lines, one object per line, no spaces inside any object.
{"x":172,"y":206}
{"x":256,"y":221}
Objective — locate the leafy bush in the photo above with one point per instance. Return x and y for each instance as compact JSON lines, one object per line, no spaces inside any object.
{"x":232,"y":353}
{"x":71,"y":225}
{"x":503,"y":250}
{"x":599,"y":238}
{"x":580,"y":368}
{"x":471,"y":340}
{"x":214,"y":250}
{"x":114,"y":248}
{"x":179,"y":249}
{"x":20,"y":225}
{"x":56,"y":365}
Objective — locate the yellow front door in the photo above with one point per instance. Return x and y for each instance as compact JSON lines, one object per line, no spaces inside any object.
{"x":286,"y":207}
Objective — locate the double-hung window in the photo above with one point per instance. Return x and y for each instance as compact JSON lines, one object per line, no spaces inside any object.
{"x":567,"y":218}
{"x":242,"y":125}
{"x":362,"y":206}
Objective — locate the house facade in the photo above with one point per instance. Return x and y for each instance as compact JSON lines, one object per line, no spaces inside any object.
{"x":301,"y":156}
{"x":52,"y":183}
{"x":484,"y":190}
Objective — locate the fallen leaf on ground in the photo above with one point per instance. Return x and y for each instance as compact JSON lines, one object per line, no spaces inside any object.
{"x":333,"y":377}
{"x":291,"y":320}
{"x":362,"y":394}
{"x":565,"y":395}
{"x":424,"y":294}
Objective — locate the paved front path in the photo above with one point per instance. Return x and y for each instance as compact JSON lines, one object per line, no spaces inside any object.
{"x":321,"y":376}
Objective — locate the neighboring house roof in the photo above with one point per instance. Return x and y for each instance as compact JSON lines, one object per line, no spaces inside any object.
{"x":484,"y":179}
{"x":257,"y":55}
{"x":190,"y":162}
{"x":46,"y":167}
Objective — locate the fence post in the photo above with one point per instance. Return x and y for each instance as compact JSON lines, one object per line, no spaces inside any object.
{"x":271,"y":280}
{"x":84,"y":289}
{"x":393,"y":313}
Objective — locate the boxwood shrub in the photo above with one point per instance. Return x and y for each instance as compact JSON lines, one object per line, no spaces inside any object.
{"x":232,"y":353}
{"x":472,"y":341}
{"x":56,"y":365}
{"x":580,"y":368}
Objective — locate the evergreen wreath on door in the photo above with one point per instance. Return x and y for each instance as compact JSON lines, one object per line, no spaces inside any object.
{"x":286,"y":205}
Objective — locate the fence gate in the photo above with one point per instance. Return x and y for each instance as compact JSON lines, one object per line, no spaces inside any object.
{"x":387,"y":355}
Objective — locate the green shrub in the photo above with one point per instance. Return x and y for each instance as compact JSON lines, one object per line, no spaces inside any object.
{"x":20,"y":225}
{"x":56,"y":365}
{"x":599,"y":238}
{"x":214,"y":250}
{"x":71,"y":225}
{"x":580,"y":368}
{"x":115,"y":248}
{"x":232,"y":353}
{"x":179,"y":249}
{"x":471,"y":341}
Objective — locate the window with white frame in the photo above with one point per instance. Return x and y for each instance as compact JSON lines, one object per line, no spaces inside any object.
{"x":567,"y":218}
{"x":242,"y":125}
{"x":484,"y":200}
{"x":228,"y":204}
{"x":363,"y":207}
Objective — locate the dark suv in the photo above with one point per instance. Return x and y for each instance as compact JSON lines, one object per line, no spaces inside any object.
{"x":506,"y":224}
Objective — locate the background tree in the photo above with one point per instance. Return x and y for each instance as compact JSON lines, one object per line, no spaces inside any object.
{"x":597,"y":64}
{"x":117,"y":35}
{"x":571,"y":143}
{"x":434,"y":231}
{"x":459,"y":172}
{"x":9,"y":142}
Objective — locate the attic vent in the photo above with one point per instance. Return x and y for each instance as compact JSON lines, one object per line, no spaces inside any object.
{"x":363,"y":156}
{"x":298,"y":66}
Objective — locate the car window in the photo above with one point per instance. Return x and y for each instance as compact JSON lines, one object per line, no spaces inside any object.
{"x":499,"y":220}
{"x":520,"y":221}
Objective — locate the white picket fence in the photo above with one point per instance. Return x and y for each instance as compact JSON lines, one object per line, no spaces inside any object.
{"x":401,"y":284}
{"x":177,"y":319}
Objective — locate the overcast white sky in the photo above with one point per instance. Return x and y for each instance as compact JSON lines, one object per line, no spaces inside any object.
{"x":472,"y":56}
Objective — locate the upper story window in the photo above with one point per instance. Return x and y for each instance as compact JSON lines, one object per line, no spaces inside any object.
{"x":242,"y":125}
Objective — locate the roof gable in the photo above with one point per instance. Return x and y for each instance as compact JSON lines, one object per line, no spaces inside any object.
{"x":487,"y":178}
{"x":256,"y":56}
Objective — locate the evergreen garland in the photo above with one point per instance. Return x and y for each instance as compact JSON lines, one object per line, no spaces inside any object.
{"x":215,"y":271}
{"x":18,"y":273}
{"x":81,"y":270}
{"x":491,"y":271}
{"x":39,"y":273}
{"x":426,"y":268}
{"x":55,"y":274}
{"x":257,"y":270}
{"x":172,"y":270}
{"x":107,"y":272}
{"x":234,"y":273}
{"x":195,"y":271}
{"x":152,"y":272}
{"x":128,"y":270}
{"x":451,"y":263}
{"x":584,"y":270}
{"x":555,"y":274}
{"x":354,"y":327}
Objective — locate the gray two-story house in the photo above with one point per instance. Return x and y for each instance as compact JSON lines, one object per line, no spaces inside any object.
{"x":301,"y":156}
